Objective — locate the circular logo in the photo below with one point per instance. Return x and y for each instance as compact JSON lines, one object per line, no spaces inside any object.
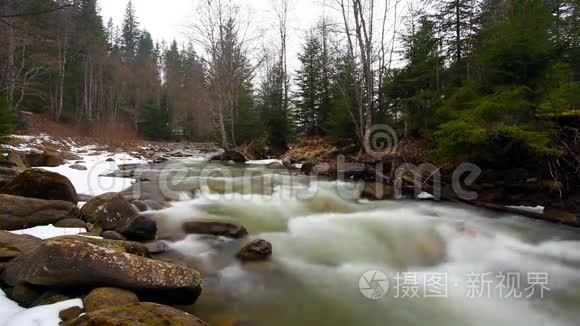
{"x":374,"y":284}
{"x":380,"y":140}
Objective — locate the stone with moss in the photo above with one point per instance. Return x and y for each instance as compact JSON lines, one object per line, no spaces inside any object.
{"x":41,"y":184}
{"x":137,"y":314}
{"x":103,"y":298}
{"x":76,"y":262}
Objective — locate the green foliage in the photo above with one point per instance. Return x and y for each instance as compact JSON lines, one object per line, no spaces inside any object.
{"x":518,"y":49}
{"x":414,"y":89}
{"x":156,"y":125}
{"x":248,"y":124}
{"x":508,"y":112}
{"x":313,"y":98}
{"x":517,"y":80}
{"x":7,"y":119}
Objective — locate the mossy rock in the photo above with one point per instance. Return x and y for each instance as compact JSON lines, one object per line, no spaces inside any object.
{"x":77,"y":262}
{"x":103,"y":298}
{"x":109,"y":211}
{"x":41,"y":184}
{"x":50,"y":297}
{"x":18,"y":213}
{"x":14,"y":245}
{"x":137,"y":314}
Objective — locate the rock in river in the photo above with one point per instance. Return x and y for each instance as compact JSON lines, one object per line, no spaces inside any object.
{"x":255,"y":251}
{"x":20,"y":213}
{"x":109,"y":211}
{"x":215,"y":228}
{"x":230,"y":156}
{"x":41,"y":184}
{"x":71,"y":262}
{"x":137,"y":314}
{"x":139,"y":228}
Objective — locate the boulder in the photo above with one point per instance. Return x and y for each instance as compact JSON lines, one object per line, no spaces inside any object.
{"x":103,"y":298}
{"x":230,"y":156}
{"x":37,"y":183}
{"x":20,"y":213}
{"x":129,"y":247}
{"x":215,"y":228}
{"x":7,"y":175}
{"x":16,"y":159}
{"x":137,"y":314}
{"x":377,"y":191}
{"x":70,"y":313}
{"x":140,"y":228}
{"x":14,"y":245}
{"x":26,"y":295}
{"x":109,"y":211}
{"x":140,"y":205}
{"x":78,"y":167}
{"x":43,"y":159}
{"x":157,"y":247}
{"x":49,"y":298}
{"x":112,"y":235}
{"x":5,"y":163}
{"x":74,"y":262}
{"x":255,"y":251}
{"x":71,"y":223}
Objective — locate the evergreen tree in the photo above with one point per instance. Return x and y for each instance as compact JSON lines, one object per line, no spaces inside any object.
{"x":275,"y":121}
{"x":514,"y":57}
{"x":413,"y":91}
{"x":129,"y":34}
{"x":309,"y":80}
{"x":458,"y":26}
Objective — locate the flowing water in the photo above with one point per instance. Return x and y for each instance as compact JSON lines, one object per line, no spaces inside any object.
{"x":445,"y":264}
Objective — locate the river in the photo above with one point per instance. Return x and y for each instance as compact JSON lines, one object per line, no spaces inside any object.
{"x":422,"y":262}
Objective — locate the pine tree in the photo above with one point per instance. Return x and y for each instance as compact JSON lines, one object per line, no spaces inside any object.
{"x":276,"y":123}
{"x":414,"y":90}
{"x":129,"y":34}
{"x":309,"y":80}
{"x":458,"y":25}
{"x":514,"y":55}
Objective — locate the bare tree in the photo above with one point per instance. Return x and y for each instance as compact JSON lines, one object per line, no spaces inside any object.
{"x":361,"y":56}
{"x":218,"y":32}
{"x":281,"y":9}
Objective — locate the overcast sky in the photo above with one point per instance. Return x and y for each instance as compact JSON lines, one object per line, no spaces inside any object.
{"x":169,"y":19}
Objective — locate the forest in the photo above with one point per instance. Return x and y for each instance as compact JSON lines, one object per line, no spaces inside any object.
{"x":473,"y":74}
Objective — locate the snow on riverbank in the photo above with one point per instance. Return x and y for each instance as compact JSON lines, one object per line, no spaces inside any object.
{"x":87,"y":182}
{"x":38,"y":316}
{"x":49,"y":231}
{"x":91,"y":181}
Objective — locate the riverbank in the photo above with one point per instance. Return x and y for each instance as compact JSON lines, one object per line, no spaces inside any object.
{"x":54,"y":194}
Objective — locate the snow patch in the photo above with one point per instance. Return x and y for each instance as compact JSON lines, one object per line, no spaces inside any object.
{"x":40,"y":316}
{"x":91,"y":181}
{"x":264,"y":162}
{"x":537,"y":209}
{"x":8,"y":308}
{"x":49,"y":231}
{"x":425,"y":195}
